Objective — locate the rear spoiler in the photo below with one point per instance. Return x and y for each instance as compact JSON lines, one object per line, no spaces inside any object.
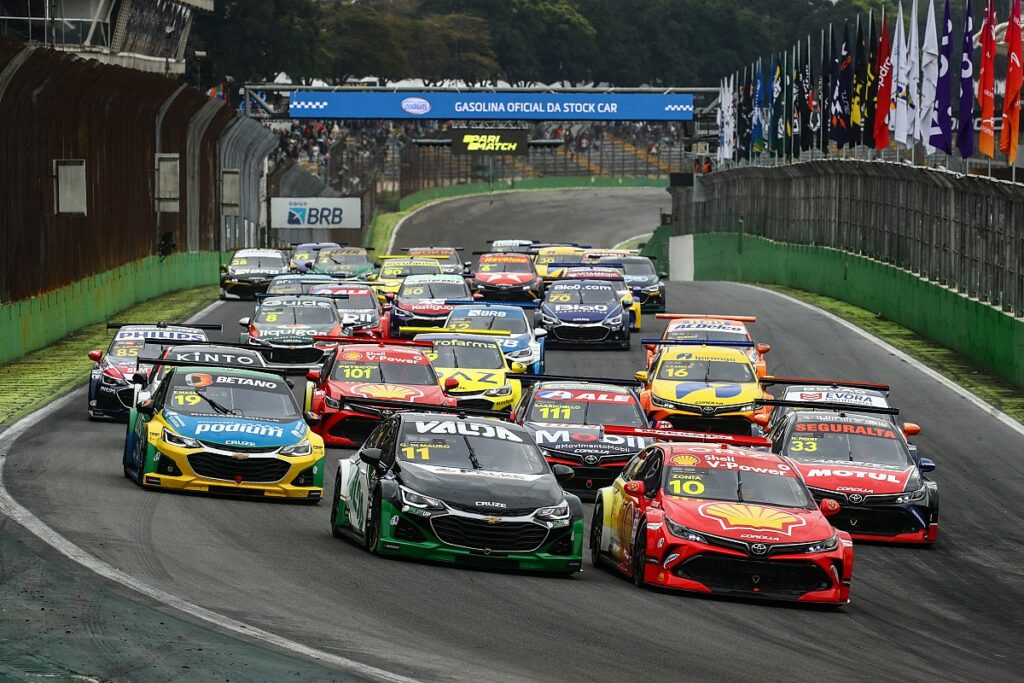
{"x":526,"y":377}
{"x":826,"y":383}
{"x":684,"y":316}
{"x":280,"y":372}
{"x":435,"y":247}
{"x":815,"y":405}
{"x":679,"y":435}
{"x":273,"y":368}
{"x":485,"y":302}
{"x":164,"y":324}
{"x":452,"y":330}
{"x":377,"y":341}
{"x":260,"y":296}
{"x":696,"y":342}
{"x":419,"y":407}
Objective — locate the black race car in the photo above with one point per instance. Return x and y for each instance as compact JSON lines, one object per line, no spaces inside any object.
{"x":284,"y":327}
{"x":643,"y":279}
{"x":250,"y":271}
{"x":584,"y":313}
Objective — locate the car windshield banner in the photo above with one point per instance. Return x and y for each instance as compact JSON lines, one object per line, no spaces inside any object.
{"x":473,"y":142}
{"x":518,"y":106}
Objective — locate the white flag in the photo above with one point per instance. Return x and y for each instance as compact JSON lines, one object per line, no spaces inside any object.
{"x":898,"y":121}
{"x":913,"y":80}
{"x":929,"y":80}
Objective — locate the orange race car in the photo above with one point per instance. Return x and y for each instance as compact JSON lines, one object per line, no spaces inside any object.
{"x":718,"y":328}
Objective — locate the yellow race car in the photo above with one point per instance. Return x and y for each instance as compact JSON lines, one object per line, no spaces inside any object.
{"x":701,"y":386}
{"x":394,"y":270}
{"x":477,"y":363}
{"x":549,"y":261}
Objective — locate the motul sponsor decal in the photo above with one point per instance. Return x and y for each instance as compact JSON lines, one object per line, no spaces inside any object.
{"x":887,"y":477}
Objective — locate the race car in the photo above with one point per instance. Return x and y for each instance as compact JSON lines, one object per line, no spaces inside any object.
{"x":343,"y":262}
{"x":359,"y":384}
{"x":644,"y":281}
{"x":303,"y":256}
{"x":447,"y":257}
{"x":423,"y":301}
{"x":861,"y":459}
{"x":297,"y":284}
{"x":220,"y":354}
{"x":702,"y":386}
{"x":551,"y":262}
{"x":567,"y":421}
{"x":520,"y":340}
{"x":478,"y":367}
{"x":617,"y":280}
{"x":358,"y":305}
{"x":224,"y":430}
{"x":110,"y":381}
{"x":284,"y":327}
{"x":511,"y":246}
{"x":717,"y":328}
{"x":506,"y":277}
{"x":723,"y":520}
{"x":395,"y":269}
{"x":249,"y":272}
{"x":467,"y":491}
{"x":584,"y":313}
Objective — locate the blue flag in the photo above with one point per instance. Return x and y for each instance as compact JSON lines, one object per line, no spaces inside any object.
{"x":941,"y":133}
{"x":757,"y":124}
{"x":965,"y":117}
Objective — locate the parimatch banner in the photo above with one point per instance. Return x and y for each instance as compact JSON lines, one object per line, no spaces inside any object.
{"x":476,"y":141}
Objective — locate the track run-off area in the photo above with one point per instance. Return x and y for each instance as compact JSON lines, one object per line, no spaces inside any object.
{"x":951,"y":612}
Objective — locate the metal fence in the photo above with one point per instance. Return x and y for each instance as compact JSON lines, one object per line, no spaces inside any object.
{"x":965,"y":232}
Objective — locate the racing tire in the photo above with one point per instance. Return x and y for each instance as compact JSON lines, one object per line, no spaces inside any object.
{"x":127,"y":473}
{"x":596,"y":531}
{"x":639,"y":556}
{"x":335,"y":530}
{"x":371,"y":537}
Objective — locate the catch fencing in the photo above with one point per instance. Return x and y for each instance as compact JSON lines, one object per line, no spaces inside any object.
{"x":57,"y":108}
{"x":964,"y":232}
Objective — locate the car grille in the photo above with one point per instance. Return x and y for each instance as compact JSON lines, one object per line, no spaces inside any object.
{"x":864,"y":520}
{"x":299,"y":355}
{"x":740,"y":575}
{"x":483,"y":510}
{"x":719,"y":425}
{"x":572,"y":333}
{"x":562,"y":544}
{"x":478,"y":534}
{"x":356,"y":429}
{"x":475,"y":404}
{"x":407,"y":531}
{"x":240,"y":449}
{"x":255,"y":470}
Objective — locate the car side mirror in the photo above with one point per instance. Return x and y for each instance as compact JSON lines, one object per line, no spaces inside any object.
{"x":760,"y":419}
{"x":563,"y":473}
{"x":641,"y":375}
{"x":371,"y":456}
{"x":389,"y":296}
{"x":911,"y":429}
{"x":313,"y":376}
{"x":311,"y":418}
{"x":516,"y":366}
{"x":627,"y":302}
{"x":829,"y":506}
{"x":308,"y":264}
{"x":663,"y":424}
{"x":450,"y":383}
{"x":371,"y":277}
{"x":244,"y":322}
{"x":634,"y":489}
{"x":477,"y":296}
{"x":540,"y":332}
{"x":467,"y":264}
{"x":764,"y":348}
{"x":146,"y":407}
{"x":662,"y":273}
{"x":223,"y":267}
{"x":140,"y":378}
{"x":96,"y":355}
{"x":926,"y":465}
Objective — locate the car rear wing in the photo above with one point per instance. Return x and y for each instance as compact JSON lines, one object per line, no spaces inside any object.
{"x":490,"y":302}
{"x":279,"y":372}
{"x":164,"y":324}
{"x":448,"y":330}
{"x":378,"y":341}
{"x":260,"y":296}
{"x":433,"y":247}
{"x":420,"y":407}
{"x":697,"y":342}
{"x":826,"y":383}
{"x":527,"y":377}
{"x":684,"y":316}
{"x":680,"y":435}
{"x":822,"y":405}
{"x":274,"y":368}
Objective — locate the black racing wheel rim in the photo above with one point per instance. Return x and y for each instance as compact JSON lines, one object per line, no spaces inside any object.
{"x":639,"y":555}
{"x":595,"y":535}
{"x":372,"y":523}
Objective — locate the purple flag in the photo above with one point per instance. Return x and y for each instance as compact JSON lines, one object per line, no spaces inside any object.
{"x":942,"y":113}
{"x":965,"y":117}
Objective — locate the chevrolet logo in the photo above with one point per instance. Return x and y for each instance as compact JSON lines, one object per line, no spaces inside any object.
{"x":492,"y":520}
{"x":240,"y":456}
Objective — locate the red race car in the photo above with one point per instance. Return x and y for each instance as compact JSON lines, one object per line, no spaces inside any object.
{"x":360,"y":384}
{"x":720,"y":519}
{"x":507,"y":277}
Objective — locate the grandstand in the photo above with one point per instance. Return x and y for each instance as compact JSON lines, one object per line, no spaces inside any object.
{"x":149,"y":35}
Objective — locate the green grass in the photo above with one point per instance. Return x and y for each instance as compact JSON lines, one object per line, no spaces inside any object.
{"x":634,"y":242}
{"x":37,"y":378}
{"x":994,"y":390}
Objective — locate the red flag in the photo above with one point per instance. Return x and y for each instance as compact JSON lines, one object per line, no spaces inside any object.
{"x":1014,"y":76}
{"x":986,"y":82}
{"x":883,"y":67}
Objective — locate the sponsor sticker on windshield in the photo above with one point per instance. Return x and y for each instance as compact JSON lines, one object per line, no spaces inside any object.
{"x":461,"y":427}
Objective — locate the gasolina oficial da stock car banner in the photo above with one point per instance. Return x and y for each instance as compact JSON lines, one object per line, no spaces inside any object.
{"x":420,"y":104}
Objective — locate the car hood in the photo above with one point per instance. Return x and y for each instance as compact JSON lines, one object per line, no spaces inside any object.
{"x":235,"y":272}
{"x":515,"y":342}
{"x":228,"y":430}
{"x":641,"y":280}
{"x":300,"y":335}
{"x":505,"y":278}
{"x":584,"y":439}
{"x":420,"y":393}
{"x":853,"y":477}
{"x":748,"y":522}
{"x":345,"y":270}
{"x":582,"y":313}
{"x":472,"y":381}
{"x":469,"y":487}
{"x":360,"y":317}
{"x":424,"y":306}
{"x":706,"y":393}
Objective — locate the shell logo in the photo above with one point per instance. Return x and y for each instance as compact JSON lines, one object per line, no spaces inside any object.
{"x":352,"y":355}
{"x":685,"y":460}
{"x":395,"y":392}
{"x":743,"y":516}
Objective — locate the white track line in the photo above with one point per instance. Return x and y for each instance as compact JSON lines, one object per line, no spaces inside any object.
{"x":20,"y":514}
{"x":910,"y":360}
{"x":630,"y":239}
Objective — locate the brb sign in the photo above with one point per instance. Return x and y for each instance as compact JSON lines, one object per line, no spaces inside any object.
{"x":315,"y":212}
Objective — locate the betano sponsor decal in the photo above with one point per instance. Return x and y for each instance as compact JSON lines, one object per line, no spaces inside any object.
{"x":743,"y":516}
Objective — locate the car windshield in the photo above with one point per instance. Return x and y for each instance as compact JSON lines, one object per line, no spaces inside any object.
{"x":327,"y":258}
{"x":706,"y":334}
{"x":486,"y":319}
{"x":363,"y":370}
{"x":440,"y":256}
{"x":434,"y":290}
{"x":226,"y":393}
{"x":506,"y":265}
{"x":876,"y":443}
{"x":548,"y":259}
{"x":406,"y":269}
{"x":293,"y":286}
{"x":735,"y":485}
{"x":126,"y":349}
{"x":466,"y":354}
{"x":268,"y":262}
{"x":353,"y":299}
{"x":470,"y":446}
{"x":705,"y":371}
{"x":582,"y":294}
{"x":313,"y":313}
{"x":581,"y":412}
{"x":645,"y":268}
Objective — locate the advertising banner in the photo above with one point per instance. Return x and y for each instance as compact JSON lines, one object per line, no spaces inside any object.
{"x":477,"y":141}
{"x":316,"y":212}
{"x":516,"y":106}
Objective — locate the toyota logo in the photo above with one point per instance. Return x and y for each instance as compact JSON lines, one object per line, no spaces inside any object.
{"x":856,"y":498}
{"x":707,"y":410}
{"x":590,"y":459}
{"x":758,"y":548}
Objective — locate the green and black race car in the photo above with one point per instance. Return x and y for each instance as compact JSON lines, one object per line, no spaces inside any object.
{"x":463,"y":490}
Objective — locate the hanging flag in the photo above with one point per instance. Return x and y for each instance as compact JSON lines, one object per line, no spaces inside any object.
{"x":941,"y":123}
{"x":757,"y":122}
{"x":1008,"y":137}
{"x":794,"y":106}
{"x":929,"y":80}
{"x":913,"y":66}
{"x":839,"y":108}
{"x":884,"y":69}
{"x":215,"y":92}
{"x":965,"y":116}
{"x":858,"y":96}
{"x":898,"y":115}
{"x":825,"y":90}
{"x":870,"y":86}
{"x":807,"y":102}
{"x":778,"y":131}
{"x":746,"y":115}
{"x":986,"y":81}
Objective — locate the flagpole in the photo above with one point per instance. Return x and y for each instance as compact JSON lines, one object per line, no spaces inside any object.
{"x":821,"y":100}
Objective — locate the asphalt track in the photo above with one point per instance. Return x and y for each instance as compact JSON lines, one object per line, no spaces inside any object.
{"x":952,"y":612}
